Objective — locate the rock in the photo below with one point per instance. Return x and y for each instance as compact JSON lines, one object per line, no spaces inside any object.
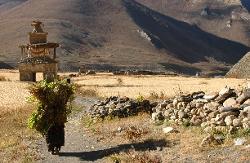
{"x":157,"y":116}
{"x":247,"y":109}
{"x":243,"y":114}
{"x":223,"y":115}
{"x":213,"y":114}
{"x":167,"y":130}
{"x":173,"y":117}
{"x":211,"y":96}
{"x":163,"y":105}
{"x":197,"y":95}
{"x":175,"y":102}
{"x":211,"y":106}
{"x":224,"y":94}
{"x":90,"y":72}
{"x":200,"y":100}
{"x":228,"y":109}
{"x":182,"y":114}
{"x":196,"y":121}
{"x":229,"y":120}
{"x":119,"y":129}
{"x":246,"y":123}
{"x":199,"y":105}
{"x":247,"y":102}
{"x":208,"y":140}
{"x":237,"y":122}
{"x":184,"y":98}
{"x":180,"y":105}
{"x":167,"y":113}
{"x":229,"y":102}
{"x":239,"y":141}
{"x":244,"y":96}
{"x":225,"y":90}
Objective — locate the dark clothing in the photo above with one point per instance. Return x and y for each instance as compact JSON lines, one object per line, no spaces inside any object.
{"x":55,"y":137}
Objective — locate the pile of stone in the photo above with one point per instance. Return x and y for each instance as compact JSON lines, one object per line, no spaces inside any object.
{"x":119,"y":107}
{"x":37,"y":60}
{"x":226,"y":110}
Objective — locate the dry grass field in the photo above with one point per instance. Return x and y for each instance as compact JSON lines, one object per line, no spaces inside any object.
{"x":153,"y":86}
{"x":14,"y":111}
{"x":14,"y":93}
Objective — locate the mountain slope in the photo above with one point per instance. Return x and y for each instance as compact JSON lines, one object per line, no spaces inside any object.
{"x":107,"y":34}
{"x":241,"y":69}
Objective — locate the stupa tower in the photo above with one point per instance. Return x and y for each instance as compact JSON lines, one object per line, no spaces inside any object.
{"x":38,"y":56}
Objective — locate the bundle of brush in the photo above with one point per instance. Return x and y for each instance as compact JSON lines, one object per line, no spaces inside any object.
{"x":53,"y":100}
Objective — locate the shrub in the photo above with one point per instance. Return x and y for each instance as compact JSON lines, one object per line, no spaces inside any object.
{"x":53,"y":102}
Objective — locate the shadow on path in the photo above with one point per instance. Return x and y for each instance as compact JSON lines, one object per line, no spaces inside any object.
{"x":99,"y":154}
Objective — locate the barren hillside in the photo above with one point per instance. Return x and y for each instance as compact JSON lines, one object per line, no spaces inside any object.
{"x":116,"y":34}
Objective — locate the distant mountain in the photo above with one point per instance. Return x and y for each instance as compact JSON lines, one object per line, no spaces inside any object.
{"x":178,"y":36}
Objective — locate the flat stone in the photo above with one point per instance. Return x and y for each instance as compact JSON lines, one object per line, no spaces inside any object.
{"x":247,"y":109}
{"x":225,"y":90}
{"x":211,"y":96}
{"x":247,"y":102}
{"x":244,"y":96}
{"x":240,"y":141}
{"x":167,"y":130}
{"x":198,"y":95}
{"x":228,"y":109}
{"x":229,"y":102}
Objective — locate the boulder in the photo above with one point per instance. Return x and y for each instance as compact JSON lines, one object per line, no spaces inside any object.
{"x":229,"y":120}
{"x":229,"y":102}
{"x":157,"y":116}
{"x":237,"y":122}
{"x":198,"y":95}
{"x":224,"y":94}
{"x":211,"y":96}
{"x":244,"y":96}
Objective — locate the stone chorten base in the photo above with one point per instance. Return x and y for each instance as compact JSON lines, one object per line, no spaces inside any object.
{"x":28,"y":71}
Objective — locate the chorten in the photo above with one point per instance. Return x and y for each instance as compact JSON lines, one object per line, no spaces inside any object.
{"x":38,"y":56}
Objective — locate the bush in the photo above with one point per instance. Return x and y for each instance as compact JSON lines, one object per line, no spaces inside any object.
{"x":53,"y":102}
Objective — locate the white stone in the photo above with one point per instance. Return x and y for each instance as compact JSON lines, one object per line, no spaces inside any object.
{"x":229,"y":102}
{"x":246,"y":109}
{"x":168,"y":130}
{"x":229,"y":120}
{"x":240,"y":141}
{"x":237,"y":122}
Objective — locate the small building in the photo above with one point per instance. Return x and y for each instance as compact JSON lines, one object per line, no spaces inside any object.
{"x":38,"y":56}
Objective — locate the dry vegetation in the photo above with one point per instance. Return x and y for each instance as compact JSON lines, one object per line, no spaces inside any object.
{"x":107,"y":85}
{"x":142,"y":141}
{"x":15,"y":137}
{"x":180,"y":146}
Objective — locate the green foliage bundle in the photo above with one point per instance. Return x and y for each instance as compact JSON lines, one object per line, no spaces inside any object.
{"x":53,"y":101}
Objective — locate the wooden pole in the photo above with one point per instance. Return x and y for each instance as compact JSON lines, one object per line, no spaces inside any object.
{"x":54,"y":56}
